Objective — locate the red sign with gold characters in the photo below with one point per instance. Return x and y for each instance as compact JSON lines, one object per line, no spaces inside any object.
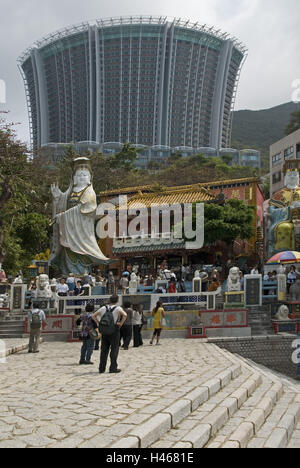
{"x":236,"y":318}
{"x":56,"y":324}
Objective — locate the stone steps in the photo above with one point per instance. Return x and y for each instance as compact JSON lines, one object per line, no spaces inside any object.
{"x":244,"y":407}
{"x":148,"y":433}
{"x":273,"y":410}
{"x":204,"y":423}
{"x":12,"y":328}
{"x":250,"y":416}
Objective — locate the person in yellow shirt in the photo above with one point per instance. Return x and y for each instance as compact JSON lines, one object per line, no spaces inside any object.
{"x":159,"y":314}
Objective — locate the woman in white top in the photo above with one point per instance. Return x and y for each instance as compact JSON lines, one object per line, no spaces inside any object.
{"x":62,"y":288}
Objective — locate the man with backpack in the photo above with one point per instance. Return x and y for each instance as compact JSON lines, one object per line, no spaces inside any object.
{"x":36,"y":318}
{"x":110,"y":319}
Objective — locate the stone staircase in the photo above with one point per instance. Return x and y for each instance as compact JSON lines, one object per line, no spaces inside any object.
{"x":243,"y":407}
{"x":12,"y":327}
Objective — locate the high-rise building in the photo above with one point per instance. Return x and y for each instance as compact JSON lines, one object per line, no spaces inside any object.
{"x":145,"y":80}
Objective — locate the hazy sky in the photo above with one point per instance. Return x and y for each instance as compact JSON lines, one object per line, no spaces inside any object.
{"x":269,"y":29}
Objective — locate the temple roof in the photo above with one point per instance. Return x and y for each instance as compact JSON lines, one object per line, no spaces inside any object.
{"x":151,"y":188}
{"x":176,"y":195}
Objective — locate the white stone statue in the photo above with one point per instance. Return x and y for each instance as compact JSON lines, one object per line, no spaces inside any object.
{"x":197,"y":281}
{"x":43,"y":290}
{"x":283,"y":313}
{"x":18,"y":280}
{"x":133,"y":284}
{"x":292,"y":180}
{"x":233,"y":282}
{"x":75,"y":248}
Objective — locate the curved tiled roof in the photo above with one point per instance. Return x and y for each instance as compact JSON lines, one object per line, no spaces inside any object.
{"x":150,"y":188}
{"x":169,"y":197}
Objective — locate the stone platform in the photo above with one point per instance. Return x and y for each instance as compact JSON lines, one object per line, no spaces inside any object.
{"x":12,"y":346}
{"x":184,"y":393}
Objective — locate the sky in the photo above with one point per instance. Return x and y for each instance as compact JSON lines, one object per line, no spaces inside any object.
{"x":269,"y":29}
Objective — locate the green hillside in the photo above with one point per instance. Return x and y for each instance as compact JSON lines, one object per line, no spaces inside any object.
{"x":259,"y":129}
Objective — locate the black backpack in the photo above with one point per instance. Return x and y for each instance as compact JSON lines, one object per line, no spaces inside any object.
{"x":107,"y":325}
{"x":36,"y":322}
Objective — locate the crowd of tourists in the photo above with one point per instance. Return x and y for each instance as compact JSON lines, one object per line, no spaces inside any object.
{"x":110,"y":328}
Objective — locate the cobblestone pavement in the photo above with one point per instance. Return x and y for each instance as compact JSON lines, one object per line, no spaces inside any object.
{"x":48,"y":400}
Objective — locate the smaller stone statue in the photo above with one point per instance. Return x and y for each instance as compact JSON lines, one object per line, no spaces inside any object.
{"x":197,"y":281}
{"x":282,"y":314}
{"x":110,"y":283}
{"x":4,"y":299}
{"x":133,"y":284}
{"x":43,"y":287}
{"x":18,"y":280}
{"x":295,"y":291}
{"x":233,"y":282}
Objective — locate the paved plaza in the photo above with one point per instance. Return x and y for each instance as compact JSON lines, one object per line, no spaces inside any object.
{"x":186,"y":394}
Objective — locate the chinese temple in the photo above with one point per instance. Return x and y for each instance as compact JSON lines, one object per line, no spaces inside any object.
{"x":148,"y":253}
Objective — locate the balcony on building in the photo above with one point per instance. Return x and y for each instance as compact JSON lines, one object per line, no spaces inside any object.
{"x":250,"y":158}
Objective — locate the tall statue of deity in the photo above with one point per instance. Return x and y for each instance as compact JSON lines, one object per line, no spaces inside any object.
{"x":284,"y":213}
{"x":75,"y":248}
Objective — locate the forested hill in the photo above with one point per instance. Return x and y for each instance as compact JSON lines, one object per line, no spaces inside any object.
{"x":259,"y":129}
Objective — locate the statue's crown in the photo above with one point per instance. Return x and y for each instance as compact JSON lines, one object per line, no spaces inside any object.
{"x":81,"y":163}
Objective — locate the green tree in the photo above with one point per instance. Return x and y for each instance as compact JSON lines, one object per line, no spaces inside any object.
{"x":13,"y":163}
{"x":294,"y":123}
{"x":227,"y":159}
{"x":34,"y":231}
{"x":126,"y":158}
{"x":25,"y":210}
{"x":227,"y":223}
{"x":266,"y":188}
{"x":154,"y":166}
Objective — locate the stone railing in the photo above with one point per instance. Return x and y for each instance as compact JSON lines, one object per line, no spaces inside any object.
{"x":205,"y":300}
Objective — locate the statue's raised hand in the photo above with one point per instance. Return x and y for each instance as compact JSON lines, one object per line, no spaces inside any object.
{"x":55,"y":191}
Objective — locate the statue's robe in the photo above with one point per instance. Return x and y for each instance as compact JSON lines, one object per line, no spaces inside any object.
{"x":75,"y":248}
